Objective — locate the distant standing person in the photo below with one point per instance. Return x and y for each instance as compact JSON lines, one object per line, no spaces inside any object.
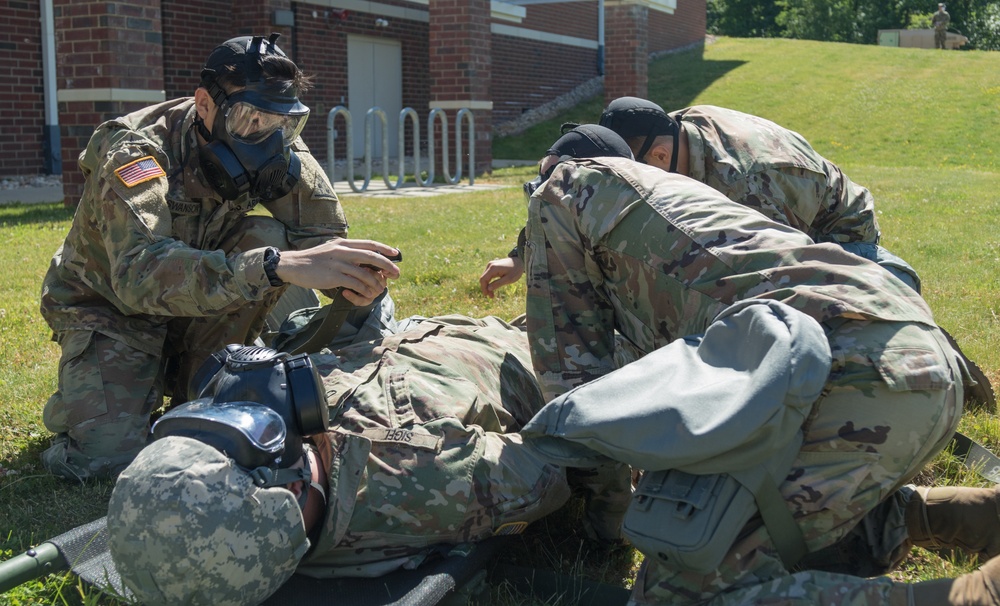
{"x":940,"y":23}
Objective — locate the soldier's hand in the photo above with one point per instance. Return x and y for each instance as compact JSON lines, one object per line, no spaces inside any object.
{"x":360,"y":267}
{"x":500,"y":272}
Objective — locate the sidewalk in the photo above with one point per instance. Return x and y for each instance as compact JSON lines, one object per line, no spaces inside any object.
{"x":39,"y":190}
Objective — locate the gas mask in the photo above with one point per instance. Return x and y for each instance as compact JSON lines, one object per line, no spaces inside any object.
{"x":255,"y":405}
{"x":249,"y":146}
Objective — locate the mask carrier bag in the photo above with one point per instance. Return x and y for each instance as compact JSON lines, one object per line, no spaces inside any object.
{"x":692,"y":520}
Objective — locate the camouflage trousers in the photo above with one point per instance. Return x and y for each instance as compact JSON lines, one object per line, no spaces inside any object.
{"x":107,"y":389}
{"x":892,"y":403}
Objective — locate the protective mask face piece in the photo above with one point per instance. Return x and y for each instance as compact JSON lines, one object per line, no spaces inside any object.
{"x":287,"y":386}
{"x":531,"y":186}
{"x":251,"y":434}
{"x":248,"y":153}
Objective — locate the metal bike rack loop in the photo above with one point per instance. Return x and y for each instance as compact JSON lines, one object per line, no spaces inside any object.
{"x":377,"y":114}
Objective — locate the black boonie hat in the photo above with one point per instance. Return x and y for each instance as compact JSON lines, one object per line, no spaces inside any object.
{"x":590,"y":141}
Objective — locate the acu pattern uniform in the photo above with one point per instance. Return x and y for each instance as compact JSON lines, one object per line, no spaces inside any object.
{"x":157,"y":265}
{"x":615,"y":245}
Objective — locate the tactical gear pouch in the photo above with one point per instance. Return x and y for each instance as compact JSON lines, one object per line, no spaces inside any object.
{"x":686,"y":520}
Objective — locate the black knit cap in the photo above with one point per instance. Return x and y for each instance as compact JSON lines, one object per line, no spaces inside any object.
{"x":635,"y":117}
{"x":243,"y":53}
{"x":590,"y":141}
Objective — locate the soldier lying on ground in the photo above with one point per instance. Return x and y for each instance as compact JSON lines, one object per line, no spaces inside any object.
{"x":419,"y":456}
{"x":163,"y":265}
{"x":615,"y":247}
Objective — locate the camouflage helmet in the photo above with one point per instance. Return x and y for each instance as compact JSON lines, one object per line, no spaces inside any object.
{"x":187,"y":526}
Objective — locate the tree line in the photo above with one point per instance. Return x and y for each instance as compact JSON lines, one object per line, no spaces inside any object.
{"x":856,"y":21}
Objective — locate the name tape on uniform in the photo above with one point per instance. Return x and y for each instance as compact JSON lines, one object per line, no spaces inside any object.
{"x":424,"y":441}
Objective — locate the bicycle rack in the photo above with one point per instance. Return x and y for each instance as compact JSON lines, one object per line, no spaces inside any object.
{"x":376,"y":114}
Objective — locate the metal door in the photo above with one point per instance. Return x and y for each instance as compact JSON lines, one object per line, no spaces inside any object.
{"x":374,"y":77}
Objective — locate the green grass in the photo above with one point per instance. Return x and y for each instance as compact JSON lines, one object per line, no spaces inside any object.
{"x":918,"y":128}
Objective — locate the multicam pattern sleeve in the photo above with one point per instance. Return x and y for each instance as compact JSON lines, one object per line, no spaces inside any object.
{"x":129,"y":255}
{"x":613,"y":245}
{"x":775,"y":171}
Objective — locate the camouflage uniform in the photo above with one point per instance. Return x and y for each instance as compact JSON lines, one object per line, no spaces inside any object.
{"x":769,"y":168}
{"x":423,"y":452}
{"x":164,"y":269}
{"x":940,"y":22}
{"x":615,"y":245}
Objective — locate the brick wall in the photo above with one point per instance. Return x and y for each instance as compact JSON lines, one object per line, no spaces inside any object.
{"x":626,"y":70}
{"x":191,"y":29}
{"x":22,"y":99}
{"x":686,"y":26}
{"x":102,"y":45}
{"x":461,"y":63}
{"x":528,"y":73}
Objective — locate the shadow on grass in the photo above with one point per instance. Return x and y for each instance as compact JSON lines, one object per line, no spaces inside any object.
{"x":676,"y":80}
{"x":13,"y":215}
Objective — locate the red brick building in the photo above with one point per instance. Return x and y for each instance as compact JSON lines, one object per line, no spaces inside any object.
{"x":72,"y":64}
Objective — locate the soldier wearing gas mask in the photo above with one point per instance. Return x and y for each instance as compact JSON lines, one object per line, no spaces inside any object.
{"x":353,"y":463}
{"x":163,"y":265}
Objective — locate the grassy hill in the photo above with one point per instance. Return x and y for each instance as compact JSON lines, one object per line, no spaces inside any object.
{"x":858,"y":105}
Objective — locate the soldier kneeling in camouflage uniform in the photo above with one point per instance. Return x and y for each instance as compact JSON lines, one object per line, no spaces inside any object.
{"x":164,"y":265}
{"x":615,"y":247}
{"x":419,"y":455}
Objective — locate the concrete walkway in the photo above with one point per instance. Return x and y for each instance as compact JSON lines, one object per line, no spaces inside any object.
{"x":377,"y":187}
{"x":31,"y":195}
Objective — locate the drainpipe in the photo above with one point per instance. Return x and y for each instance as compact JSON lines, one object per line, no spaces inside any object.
{"x":51,"y":145}
{"x":600,"y":37}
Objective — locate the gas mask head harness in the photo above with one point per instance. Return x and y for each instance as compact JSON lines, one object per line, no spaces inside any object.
{"x":249,"y":146}
{"x":255,"y":405}
{"x":634,"y":117}
{"x":581,"y":141}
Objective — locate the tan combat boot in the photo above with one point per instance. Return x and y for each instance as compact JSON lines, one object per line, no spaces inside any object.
{"x":955,"y":517}
{"x":978,"y":588}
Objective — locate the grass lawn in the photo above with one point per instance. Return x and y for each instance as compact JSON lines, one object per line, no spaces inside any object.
{"x":919,"y":128}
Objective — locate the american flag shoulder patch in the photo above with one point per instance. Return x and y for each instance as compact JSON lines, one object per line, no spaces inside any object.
{"x":139,"y":171}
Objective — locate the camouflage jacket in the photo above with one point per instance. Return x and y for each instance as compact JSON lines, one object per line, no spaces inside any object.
{"x":771,"y":169}
{"x":614,"y":244}
{"x":940,"y":21}
{"x":416,"y":454}
{"x":138,"y":256}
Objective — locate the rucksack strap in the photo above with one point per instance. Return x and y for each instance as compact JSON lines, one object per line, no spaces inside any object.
{"x":785,"y":533}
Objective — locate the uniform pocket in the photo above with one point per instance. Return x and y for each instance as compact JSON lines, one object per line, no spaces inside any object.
{"x":912,"y":369}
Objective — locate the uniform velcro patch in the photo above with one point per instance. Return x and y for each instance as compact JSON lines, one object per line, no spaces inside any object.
{"x":139,"y":171}
{"x":510,"y":528}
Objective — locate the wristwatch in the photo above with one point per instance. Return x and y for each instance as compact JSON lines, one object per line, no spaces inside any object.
{"x":271,"y":257}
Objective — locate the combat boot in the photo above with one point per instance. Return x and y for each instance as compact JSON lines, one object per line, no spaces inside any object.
{"x":955,"y":517}
{"x":978,"y":588}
